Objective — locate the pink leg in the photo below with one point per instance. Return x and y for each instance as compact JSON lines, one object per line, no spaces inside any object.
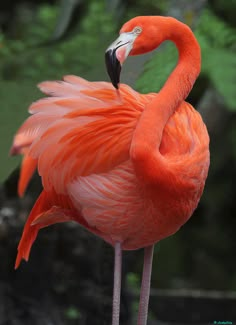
{"x":145,"y":287}
{"x":117,"y":285}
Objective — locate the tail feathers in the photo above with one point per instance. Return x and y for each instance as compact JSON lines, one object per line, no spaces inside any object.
{"x":45,"y":212}
{"x":28,"y":164}
{"x":28,"y":167}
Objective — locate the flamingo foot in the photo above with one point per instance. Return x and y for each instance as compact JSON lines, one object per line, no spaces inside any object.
{"x":145,"y":287}
{"x":117,"y":285}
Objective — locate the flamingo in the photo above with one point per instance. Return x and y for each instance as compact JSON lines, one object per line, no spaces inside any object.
{"x":129,"y":167}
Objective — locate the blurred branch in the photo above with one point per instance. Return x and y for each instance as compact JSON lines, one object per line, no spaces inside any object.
{"x":188,"y":293}
{"x":116,"y":7}
{"x":186,"y":11}
{"x":67,"y":8}
{"x":193,"y":293}
{"x":189,"y":306}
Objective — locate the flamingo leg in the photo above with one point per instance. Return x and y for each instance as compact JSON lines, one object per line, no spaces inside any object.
{"x":145,"y":287}
{"x":117,"y":285}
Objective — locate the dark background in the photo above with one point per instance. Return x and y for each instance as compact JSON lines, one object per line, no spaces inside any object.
{"x":68,"y":279}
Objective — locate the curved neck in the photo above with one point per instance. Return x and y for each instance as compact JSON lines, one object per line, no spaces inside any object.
{"x":178,"y":84}
{"x":148,"y":133}
{"x":182,"y":78}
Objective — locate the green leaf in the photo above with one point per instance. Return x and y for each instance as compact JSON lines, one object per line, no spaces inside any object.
{"x":157,"y":69}
{"x":220,"y":66}
{"x":73,"y":313}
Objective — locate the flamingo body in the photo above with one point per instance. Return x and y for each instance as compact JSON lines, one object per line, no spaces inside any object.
{"x":129,"y":167}
{"x":80,"y":138}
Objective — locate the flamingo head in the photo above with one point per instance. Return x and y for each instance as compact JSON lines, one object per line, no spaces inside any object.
{"x":139,"y":35}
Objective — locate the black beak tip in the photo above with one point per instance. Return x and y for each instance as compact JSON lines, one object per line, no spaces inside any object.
{"x":113,"y":67}
{"x":115,"y":85}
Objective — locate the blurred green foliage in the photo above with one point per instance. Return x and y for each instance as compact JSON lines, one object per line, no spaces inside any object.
{"x":30,"y":57}
{"x":73,"y":313}
{"x":53,"y":59}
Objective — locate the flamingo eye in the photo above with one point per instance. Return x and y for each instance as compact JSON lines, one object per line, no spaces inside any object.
{"x":137,"y":30}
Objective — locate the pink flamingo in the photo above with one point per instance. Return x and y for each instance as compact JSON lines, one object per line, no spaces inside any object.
{"x":129,"y":167}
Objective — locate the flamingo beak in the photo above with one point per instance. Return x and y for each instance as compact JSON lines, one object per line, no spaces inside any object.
{"x":116,"y":54}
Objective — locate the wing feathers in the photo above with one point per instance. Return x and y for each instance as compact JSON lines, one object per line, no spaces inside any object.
{"x":75,"y":132}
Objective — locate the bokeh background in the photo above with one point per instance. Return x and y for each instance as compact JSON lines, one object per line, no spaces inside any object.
{"x":69,"y":277}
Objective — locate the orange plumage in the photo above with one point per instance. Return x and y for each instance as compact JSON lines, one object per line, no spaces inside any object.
{"x":129,"y":167}
{"x":83,"y":154}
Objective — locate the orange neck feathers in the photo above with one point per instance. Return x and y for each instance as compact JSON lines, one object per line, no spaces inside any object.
{"x":173,"y":93}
